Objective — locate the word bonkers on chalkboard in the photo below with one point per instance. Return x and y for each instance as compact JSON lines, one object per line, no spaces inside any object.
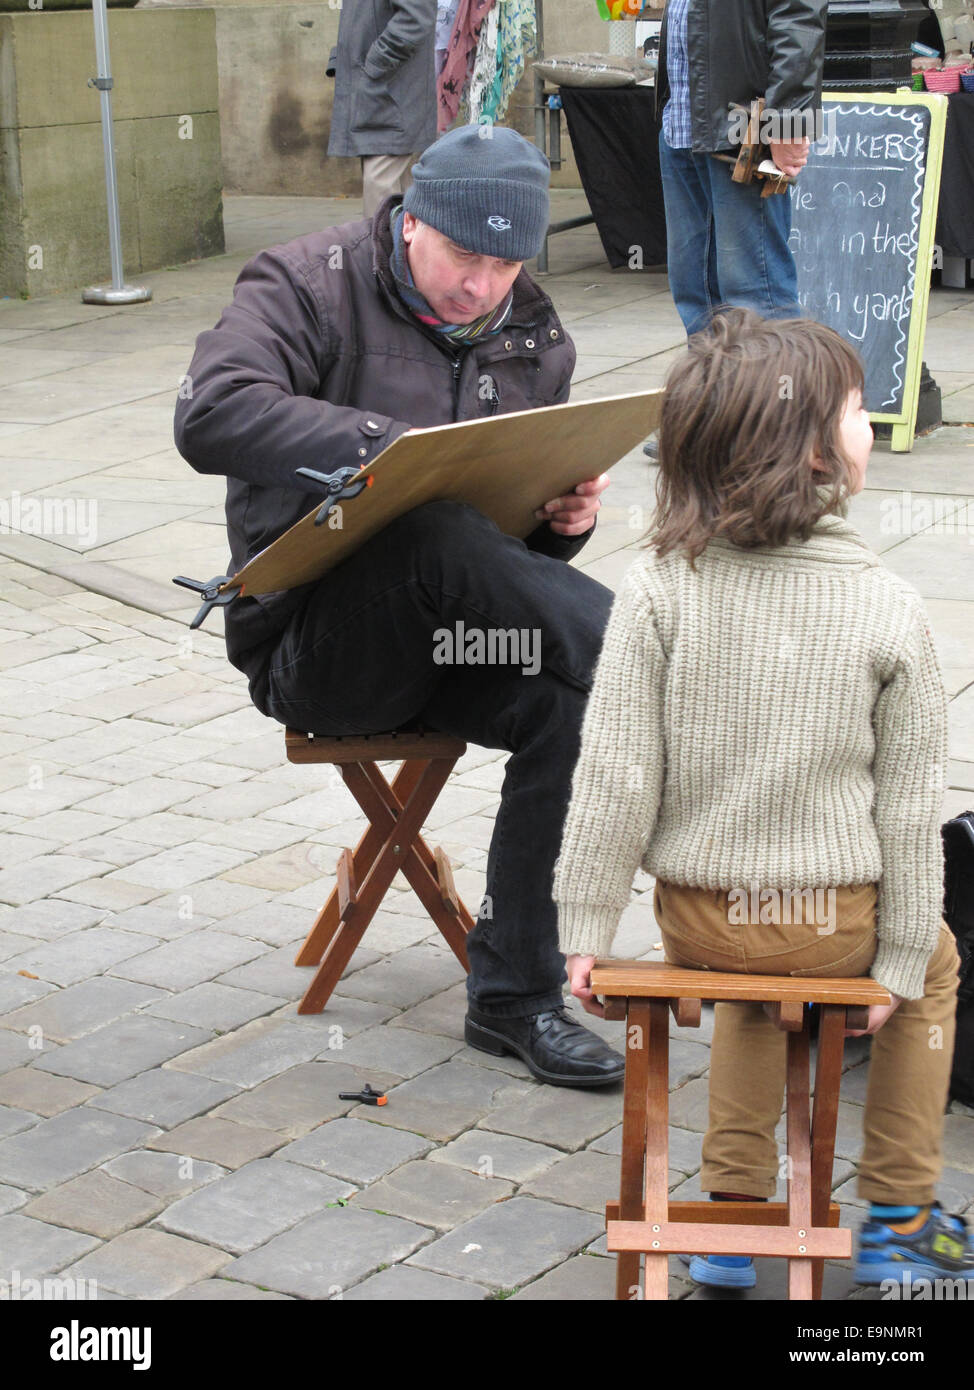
{"x":855,"y":234}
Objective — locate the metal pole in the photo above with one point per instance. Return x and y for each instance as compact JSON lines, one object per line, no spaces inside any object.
{"x":539,"y":110}
{"x":118,"y":292}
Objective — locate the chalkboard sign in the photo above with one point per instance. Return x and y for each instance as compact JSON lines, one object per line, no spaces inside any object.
{"x":863,"y":216}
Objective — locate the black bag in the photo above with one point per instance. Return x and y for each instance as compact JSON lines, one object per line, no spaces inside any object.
{"x":958,"y":838}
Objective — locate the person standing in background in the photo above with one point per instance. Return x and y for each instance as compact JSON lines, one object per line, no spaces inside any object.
{"x":385,"y":91}
{"x":726,"y":245}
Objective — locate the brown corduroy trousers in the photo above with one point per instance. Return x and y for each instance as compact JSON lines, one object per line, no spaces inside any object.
{"x":834,"y":934}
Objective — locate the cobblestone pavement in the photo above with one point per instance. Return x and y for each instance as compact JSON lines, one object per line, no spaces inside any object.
{"x":169,"y":1127}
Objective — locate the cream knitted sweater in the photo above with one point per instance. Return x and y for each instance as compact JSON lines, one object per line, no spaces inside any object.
{"x":776,"y":717}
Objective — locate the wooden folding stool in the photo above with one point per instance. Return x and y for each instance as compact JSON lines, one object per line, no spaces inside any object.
{"x":644,"y":1222}
{"x":396,"y":812}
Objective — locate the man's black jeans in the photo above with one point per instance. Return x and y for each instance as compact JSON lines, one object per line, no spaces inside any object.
{"x":359,"y":658}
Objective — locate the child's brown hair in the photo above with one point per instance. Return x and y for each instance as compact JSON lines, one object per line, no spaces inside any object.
{"x":743,"y":415}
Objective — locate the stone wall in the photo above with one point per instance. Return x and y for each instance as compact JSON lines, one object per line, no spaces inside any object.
{"x":275,"y":100}
{"x":53,"y":208}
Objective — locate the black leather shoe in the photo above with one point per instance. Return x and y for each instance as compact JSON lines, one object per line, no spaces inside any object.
{"x":556,"y":1048}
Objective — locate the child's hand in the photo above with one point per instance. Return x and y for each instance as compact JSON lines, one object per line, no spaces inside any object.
{"x":878,"y":1014}
{"x":579,"y":972}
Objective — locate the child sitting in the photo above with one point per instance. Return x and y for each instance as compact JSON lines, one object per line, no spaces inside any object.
{"x":768,"y":714}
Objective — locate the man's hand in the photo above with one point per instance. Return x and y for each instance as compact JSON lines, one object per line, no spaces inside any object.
{"x":791,"y":156}
{"x":579,"y":972}
{"x":878,"y":1014}
{"x":573,"y":515}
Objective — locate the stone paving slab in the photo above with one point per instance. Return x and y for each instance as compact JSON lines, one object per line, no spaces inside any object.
{"x":393,"y":930}
{"x":82,"y":1008}
{"x":165,"y":1175}
{"x":218,"y":1141}
{"x":406,"y":978}
{"x":33,"y":1248}
{"x":11,"y":1198}
{"x":296,"y":865}
{"x":342,"y":1019}
{"x":958,"y":1142}
{"x":542,"y":1114}
{"x":297,"y":1100}
{"x":509,"y":1064}
{"x":437,"y":1195}
{"x":497,"y":1155}
{"x":43,"y":1093}
{"x":148,"y":1264}
{"x":402,"y":1053}
{"x":442,"y":1013}
{"x":276,"y":973}
{"x":65,"y":1146}
{"x":191,"y":960}
{"x":689,"y":1105}
{"x":110,"y":894}
{"x":122,"y":1049}
{"x":54,"y":917}
{"x":44,"y":874}
{"x":210,"y":1005}
{"x":77,"y":956}
{"x":96,"y":1204}
{"x":586,"y":1180}
{"x":180,"y":866}
{"x":163,"y":1097}
{"x":252,"y":1053}
{"x":510,"y":1242}
{"x":272,"y":923}
{"x":583,"y":1278}
{"x":14,"y":1121}
{"x":400,"y":1283}
{"x":354,"y":1150}
{"x":226,"y":1291}
{"x":218,"y":899}
{"x":445,"y":1100}
{"x":684,"y":1147}
{"x":327,"y":1254}
{"x":252,"y":1205}
{"x":17,"y":990}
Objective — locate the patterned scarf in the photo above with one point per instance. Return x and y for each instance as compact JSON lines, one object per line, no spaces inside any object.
{"x":462,"y":334}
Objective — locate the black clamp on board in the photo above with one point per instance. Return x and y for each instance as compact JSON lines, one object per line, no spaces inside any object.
{"x":338,"y":485}
{"x":210,"y":592}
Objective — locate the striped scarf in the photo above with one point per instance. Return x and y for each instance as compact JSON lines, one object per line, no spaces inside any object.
{"x":461,"y":334}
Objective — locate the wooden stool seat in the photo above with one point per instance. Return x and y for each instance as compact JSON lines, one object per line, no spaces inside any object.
{"x":644,"y":1222}
{"x":396,"y":812}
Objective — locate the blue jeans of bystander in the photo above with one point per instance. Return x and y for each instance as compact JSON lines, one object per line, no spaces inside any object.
{"x":726,"y":244}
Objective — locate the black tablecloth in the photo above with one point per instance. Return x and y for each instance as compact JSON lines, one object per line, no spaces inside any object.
{"x":614,"y":136}
{"x":955,"y":217}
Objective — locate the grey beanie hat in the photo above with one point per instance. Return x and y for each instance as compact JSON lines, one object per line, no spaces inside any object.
{"x":486,"y":188}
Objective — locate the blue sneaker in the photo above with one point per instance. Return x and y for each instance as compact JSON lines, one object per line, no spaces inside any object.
{"x":940,"y":1249}
{"x":723,"y":1271}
